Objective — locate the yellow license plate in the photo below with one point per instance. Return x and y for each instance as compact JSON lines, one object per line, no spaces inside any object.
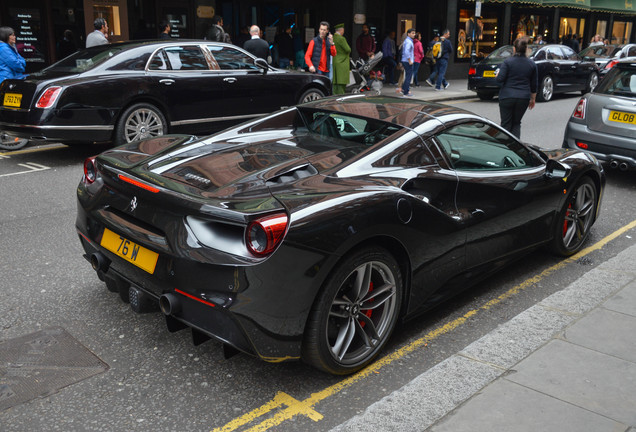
{"x":489,"y":74}
{"x":138,"y":255}
{"x":622,"y":117}
{"x":12,"y":100}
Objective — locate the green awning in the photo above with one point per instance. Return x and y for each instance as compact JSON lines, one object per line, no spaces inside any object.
{"x":577,"y":4}
{"x":621,"y":6}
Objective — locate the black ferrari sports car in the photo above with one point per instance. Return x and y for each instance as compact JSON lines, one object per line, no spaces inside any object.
{"x":133,"y":90}
{"x":310,"y":232}
{"x":560,"y":70}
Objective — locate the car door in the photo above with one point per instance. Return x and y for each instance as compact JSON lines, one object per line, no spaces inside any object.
{"x":580,"y":68}
{"x":190,"y":91}
{"x":561,"y":69}
{"x":504,"y":199}
{"x":249,"y":87}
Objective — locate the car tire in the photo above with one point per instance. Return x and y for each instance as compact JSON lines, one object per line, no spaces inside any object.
{"x":592,"y":82}
{"x":485,"y":96}
{"x":546,"y":89}
{"x":575,"y":219}
{"x":311,"y":95}
{"x":348,"y":326}
{"x":140,"y":121}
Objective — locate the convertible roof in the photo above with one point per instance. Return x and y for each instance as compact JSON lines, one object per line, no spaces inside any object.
{"x":404,"y":112}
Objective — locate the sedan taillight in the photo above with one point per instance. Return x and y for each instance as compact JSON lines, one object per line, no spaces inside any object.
{"x":48,"y":98}
{"x":610,"y":64}
{"x":265,"y":234}
{"x":579,"y":111}
{"x":90,"y":170}
{"x":472,"y":71}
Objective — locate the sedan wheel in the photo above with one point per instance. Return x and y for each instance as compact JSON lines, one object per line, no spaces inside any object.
{"x":311,"y":95}
{"x":139,"y":122}
{"x":355,"y":313}
{"x":575,"y":218}
{"x":592,"y":82}
{"x":547,"y":89}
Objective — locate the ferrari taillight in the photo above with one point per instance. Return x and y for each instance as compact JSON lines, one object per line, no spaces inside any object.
{"x":90,"y":171}
{"x":265,"y":234}
{"x":472,"y":71}
{"x":579,"y":111}
{"x":48,"y":98}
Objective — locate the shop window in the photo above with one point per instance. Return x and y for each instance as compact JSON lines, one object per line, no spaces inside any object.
{"x":530,"y":26}
{"x":621,"y":32}
{"x":479,"y":33}
{"x":569,"y":27}
{"x":601,"y":28}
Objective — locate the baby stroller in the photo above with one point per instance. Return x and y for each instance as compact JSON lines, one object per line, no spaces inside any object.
{"x":364,"y":78}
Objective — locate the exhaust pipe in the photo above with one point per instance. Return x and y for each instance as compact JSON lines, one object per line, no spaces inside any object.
{"x":169,"y":304}
{"x":623,"y":166}
{"x":614,"y":164}
{"x":99,"y":262}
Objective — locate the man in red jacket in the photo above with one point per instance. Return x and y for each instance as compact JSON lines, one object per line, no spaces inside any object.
{"x":316,"y":56}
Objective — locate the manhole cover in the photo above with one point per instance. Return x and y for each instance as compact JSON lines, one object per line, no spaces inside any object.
{"x":42,"y":363}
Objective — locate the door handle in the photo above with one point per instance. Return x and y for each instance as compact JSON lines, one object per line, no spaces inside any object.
{"x":167,"y":81}
{"x":477,"y":213}
{"x":556,"y":68}
{"x":229,"y":80}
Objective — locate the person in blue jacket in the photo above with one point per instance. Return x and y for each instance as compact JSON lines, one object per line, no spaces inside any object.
{"x":12,"y":64}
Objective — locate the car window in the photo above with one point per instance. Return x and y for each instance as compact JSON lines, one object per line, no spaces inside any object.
{"x":131,"y":63}
{"x":631,"y":51}
{"x":159,"y":61}
{"x":619,"y":82}
{"x":84,"y":60}
{"x":570,"y":54}
{"x":186,"y":58}
{"x":411,"y":154}
{"x":480,"y":146}
{"x":554,"y":53}
{"x":598,"y":51}
{"x":232,"y":59}
{"x":540,"y":55}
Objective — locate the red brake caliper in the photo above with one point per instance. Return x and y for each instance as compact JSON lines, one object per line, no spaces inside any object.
{"x":565,"y":221}
{"x":370,"y":311}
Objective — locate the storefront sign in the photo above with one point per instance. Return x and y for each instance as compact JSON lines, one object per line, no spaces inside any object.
{"x":27,"y":25}
{"x":359,"y":18}
{"x":205,"y":12}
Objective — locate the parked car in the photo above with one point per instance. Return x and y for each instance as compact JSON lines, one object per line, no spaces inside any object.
{"x":606,"y":56}
{"x":560,"y":70}
{"x":604,"y":122}
{"x":298,"y":236}
{"x":127,"y":91}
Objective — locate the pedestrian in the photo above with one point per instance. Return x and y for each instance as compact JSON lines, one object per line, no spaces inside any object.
{"x":216,"y":32}
{"x":388,"y":56}
{"x":164,"y":28}
{"x":365,"y":44}
{"x":99,"y":36}
{"x":319,"y":50}
{"x":257,"y":46}
{"x":66,"y":46}
{"x":285,"y":43}
{"x":408,"y":58}
{"x":12,"y":64}
{"x":574,"y":43}
{"x":539,"y":40}
{"x":418,"y":56}
{"x":518,"y":78}
{"x":442,"y":62}
{"x":342,"y":61}
{"x":597,"y":40}
{"x":432,"y":61}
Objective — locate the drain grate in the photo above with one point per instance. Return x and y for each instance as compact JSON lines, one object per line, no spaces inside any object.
{"x":42,"y":363}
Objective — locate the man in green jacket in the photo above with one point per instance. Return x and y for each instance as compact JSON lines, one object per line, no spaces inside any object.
{"x":341,"y":62}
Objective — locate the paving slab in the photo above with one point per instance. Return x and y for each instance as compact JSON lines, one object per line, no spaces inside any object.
{"x":531,"y":411}
{"x":624,"y":301}
{"x":583,"y":377}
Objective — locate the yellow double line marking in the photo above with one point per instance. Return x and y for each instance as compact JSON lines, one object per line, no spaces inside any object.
{"x":305,"y":407}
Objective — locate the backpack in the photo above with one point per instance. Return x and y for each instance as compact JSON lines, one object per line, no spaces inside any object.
{"x":437,"y":50}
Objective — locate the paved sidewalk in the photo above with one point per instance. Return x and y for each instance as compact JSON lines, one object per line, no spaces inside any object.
{"x":458,"y":89}
{"x":566,"y":364}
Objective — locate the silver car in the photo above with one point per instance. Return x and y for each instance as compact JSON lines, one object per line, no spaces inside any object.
{"x":604,"y":122}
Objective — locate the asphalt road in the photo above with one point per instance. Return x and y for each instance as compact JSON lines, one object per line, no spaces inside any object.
{"x":154,"y":380}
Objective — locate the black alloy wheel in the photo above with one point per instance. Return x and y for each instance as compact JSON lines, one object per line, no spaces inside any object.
{"x":575,"y":218}
{"x":140,"y":121}
{"x":311,"y":95}
{"x":355,"y":313}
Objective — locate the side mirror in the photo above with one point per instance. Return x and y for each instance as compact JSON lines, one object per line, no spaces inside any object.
{"x":556,"y":169}
{"x":261,"y":64}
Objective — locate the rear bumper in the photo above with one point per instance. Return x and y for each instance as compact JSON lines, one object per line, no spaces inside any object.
{"x":53,"y":133}
{"x":604,"y":147}
{"x":480,"y":84}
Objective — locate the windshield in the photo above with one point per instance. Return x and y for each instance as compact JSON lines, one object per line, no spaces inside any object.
{"x":599,"y":51}
{"x":505,"y":51}
{"x":83,"y":60}
{"x":619,"y":82}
